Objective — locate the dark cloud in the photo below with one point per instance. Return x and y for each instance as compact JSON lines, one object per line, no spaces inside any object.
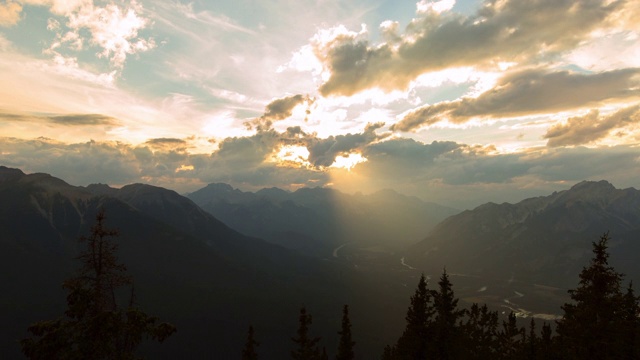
{"x":530,"y":92}
{"x":279,"y":109}
{"x":502,"y":30}
{"x":83,"y":119}
{"x":67,"y":119}
{"x":323,"y":152}
{"x":591,"y":127}
{"x":168,"y":144}
{"x":442,"y":171}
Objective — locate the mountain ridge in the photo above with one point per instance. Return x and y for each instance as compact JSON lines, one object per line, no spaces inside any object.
{"x":535,"y":236}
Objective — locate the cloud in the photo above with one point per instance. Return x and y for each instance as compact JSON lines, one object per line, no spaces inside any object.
{"x":167,"y":144}
{"x":67,"y":119}
{"x":501,"y":31}
{"x":323,"y":152}
{"x":113,"y":29}
{"x":281,"y":109}
{"x":441,"y":171}
{"x":530,"y":92}
{"x":591,"y":127}
{"x":83,"y":119}
{"x":10,"y":13}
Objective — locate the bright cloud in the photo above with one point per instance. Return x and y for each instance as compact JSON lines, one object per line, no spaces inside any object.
{"x":442,"y":99}
{"x":10,"y":13}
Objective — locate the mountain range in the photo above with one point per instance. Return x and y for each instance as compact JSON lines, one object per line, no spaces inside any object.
{"x":200,"y":262}
{"x":189,"y":268}
{"x":545,"y":240}
{"x":316,"y":221}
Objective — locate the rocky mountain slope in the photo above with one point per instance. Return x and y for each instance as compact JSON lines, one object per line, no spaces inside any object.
{"x":544,"y":239}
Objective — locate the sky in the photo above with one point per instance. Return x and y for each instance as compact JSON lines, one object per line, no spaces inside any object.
{"x":458,"y":102}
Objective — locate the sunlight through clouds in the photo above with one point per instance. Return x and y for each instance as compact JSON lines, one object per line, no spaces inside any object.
{"x":429,"y":93}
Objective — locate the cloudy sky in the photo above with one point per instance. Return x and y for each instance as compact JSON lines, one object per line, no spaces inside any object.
{"x":455,"y":101}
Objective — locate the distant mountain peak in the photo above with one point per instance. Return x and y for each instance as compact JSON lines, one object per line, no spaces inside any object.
{"x":219,"y":187}
{"x":592,"y":185}
{"x":101,"y":189}
{"x":7,"y":173}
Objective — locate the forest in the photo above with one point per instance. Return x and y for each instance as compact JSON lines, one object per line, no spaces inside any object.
{"x":600,"y":322}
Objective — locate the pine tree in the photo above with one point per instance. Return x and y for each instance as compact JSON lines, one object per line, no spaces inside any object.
{"x":511,"y":338}
{"x":630,"y":341}
{"x":413,"y":344}
{"x":388,"y":353}
{"x":93,"y":326}
{"x":446,"y":330}
{"x":480,"y":333}
{"x":590,"y":327}
{"x":249,"y":351}
{"x":345,"y":347}
{"x":546,"y":348}
{"x":324,"y":355}
{"x":306,"y":347}
{"x":532,"y":344}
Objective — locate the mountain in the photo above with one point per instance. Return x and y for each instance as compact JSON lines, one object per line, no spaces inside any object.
{"x":316,"y":221}
{"x":544,"y":240}
{"x":189,"y":269}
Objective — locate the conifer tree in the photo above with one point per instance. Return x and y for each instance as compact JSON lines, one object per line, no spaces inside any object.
{"x":510,"y":338}
{"x":446,"y":330}
{"x":590,"y":327}
{"x":532,"y":344}
{"x":480,"y":333}
{"x":93,"y":326}
{"x":324,"y":355}
{"x":388,"y":353}
{"x":630,"y":341}
{"x":306,"y":346}
{"x":345,"y":347}
{"x":249,"y":351}
{"x":546,"y":348}
{"x":413,"y":344}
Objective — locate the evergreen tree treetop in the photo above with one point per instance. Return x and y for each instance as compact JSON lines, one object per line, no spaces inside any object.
{"x":345,"y":347}
{"x":93,"y":326}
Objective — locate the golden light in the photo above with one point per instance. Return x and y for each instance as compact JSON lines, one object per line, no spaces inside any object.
{"x":349,"y":161}
{"x":184,"y":168}
{"x":292,"y":154}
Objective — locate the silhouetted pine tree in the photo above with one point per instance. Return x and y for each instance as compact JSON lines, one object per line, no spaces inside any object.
{"x":324,"y":355}
{"x":546,"y":348}
{"x":510,"y":339}
{"x":630,"y":325}
{"x":480,"y":333}
{"x":345,"y":347}
{"x":531,"y":352}
{"x":93,"y":326}
{"x":306,"y":347}
{"x":590,"y":327}
{"x":388,"y":352}
{"x":413,"y":344}
{"x":446,"y":330}
{"x":249,"y":351}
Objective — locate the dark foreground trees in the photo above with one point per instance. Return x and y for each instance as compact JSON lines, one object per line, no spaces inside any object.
{"x":94,"y":326}
{"x":306,"y":347}
{"x":601,"y":322}
{"x":249,"y":351}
